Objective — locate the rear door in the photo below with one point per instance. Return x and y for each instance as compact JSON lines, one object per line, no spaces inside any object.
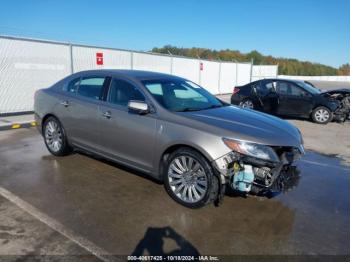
{"x":127,"y":136}
{"x":78,"y":110}
{"x":267,"y":95}
{"x":293,"y":100}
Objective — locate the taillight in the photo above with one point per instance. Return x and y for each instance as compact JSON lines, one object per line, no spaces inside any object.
{"x":235,"y":90}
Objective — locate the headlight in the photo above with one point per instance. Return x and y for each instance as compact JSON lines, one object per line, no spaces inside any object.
{"x":251,"y":149}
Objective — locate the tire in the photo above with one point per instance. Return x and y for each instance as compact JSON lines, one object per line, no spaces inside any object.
{"x":202,"y":184}
{"x":55,"y":137}
{"x":321,"y":115}
{"x":247,"y":103}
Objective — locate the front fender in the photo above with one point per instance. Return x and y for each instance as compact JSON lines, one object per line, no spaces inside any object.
{"x":172,"y":134}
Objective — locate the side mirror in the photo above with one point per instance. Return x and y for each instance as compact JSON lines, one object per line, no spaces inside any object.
{"x":138,"y":106}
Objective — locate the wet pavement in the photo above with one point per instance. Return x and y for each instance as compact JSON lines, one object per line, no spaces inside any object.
{"x":125,"y":213}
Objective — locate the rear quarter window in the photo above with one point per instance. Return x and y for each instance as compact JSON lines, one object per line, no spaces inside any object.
{"x":91,"y":87}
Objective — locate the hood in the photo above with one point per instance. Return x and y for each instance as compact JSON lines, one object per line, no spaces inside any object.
{"x":248,"y":125}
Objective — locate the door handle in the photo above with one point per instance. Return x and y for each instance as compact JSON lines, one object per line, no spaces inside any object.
{"x":65,"y":103}
{"x":107,"y":114}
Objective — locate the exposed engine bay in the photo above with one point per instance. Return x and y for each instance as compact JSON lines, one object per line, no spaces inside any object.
{"x":343,"y":96}
{"x":247,"y":174}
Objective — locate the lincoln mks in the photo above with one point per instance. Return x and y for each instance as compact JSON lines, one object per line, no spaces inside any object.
{"x":169,"y":128}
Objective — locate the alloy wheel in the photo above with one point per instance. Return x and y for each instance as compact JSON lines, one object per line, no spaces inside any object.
{"x":53,"y":136}
{"x":187,"y":179}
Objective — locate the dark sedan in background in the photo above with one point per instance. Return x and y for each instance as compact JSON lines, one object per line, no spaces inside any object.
{"x":293,"y":98}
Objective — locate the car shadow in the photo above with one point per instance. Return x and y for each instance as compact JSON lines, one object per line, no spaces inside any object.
{"x":156,"y":240}
{"x":283,"y":184}
{"x":119,"y":166}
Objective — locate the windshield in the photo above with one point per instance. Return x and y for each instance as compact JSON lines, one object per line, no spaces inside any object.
{"x":181,"y":95}
{"x":309,"y":88}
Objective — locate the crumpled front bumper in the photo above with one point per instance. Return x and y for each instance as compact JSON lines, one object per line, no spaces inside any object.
{"x":252,"y":175}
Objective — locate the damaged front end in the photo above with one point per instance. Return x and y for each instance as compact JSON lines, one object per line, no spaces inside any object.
{"x":342,"y":112}
{"x":258,"y":169}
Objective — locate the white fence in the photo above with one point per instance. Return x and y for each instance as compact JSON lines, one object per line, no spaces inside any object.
{"x":264,"y":71}
{"x":318,"y":78}
{"x":27,"y":65}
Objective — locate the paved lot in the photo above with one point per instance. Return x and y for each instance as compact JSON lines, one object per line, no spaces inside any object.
{"x":329,"y":85}
{"x":332,"y":139}
{"x":81,"y":205}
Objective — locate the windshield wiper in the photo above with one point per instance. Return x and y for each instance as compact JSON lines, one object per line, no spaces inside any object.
{"x":188,"y":109}
{"x":212,"y":106}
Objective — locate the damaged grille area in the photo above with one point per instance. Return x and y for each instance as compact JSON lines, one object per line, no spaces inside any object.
{"x":341,"y":114}
{"x":247,"y":174}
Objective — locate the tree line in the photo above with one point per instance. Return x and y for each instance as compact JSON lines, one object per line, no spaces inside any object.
{"x":287,"y":66}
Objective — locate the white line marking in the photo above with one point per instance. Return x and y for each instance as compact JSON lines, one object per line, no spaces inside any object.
{"x":325,"y":165}
{"x":57,"y":226}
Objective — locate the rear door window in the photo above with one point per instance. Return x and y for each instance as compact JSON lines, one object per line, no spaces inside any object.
{"x":72,"y":86}
{"x":91,"y":87}
{"x":268,"y":86}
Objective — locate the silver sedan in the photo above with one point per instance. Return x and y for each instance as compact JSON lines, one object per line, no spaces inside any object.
{"x":169,"y":128}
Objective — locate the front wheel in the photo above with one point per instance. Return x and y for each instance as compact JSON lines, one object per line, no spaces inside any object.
{"x":189,"y":179}
{"x":55,"y":137}
{"x":321,"y":115}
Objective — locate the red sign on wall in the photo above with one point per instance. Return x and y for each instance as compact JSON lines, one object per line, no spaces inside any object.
{"x":201,"y":66}
{"x":99,"y":58}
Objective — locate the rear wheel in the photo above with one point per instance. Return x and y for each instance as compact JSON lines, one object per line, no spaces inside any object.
{"x":247,"y":103}
{"x":321,"y":115}
{"x":189,"y":179}
{"x":55,"y":138}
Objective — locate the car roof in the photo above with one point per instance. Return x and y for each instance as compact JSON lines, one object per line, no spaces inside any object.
{"x":283,"y":79}
{"x":136,"y":74}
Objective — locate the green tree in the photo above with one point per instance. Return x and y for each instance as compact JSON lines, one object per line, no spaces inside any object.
{"x":287,"y":66}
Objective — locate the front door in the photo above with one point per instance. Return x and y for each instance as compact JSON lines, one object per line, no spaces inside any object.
{"x":127,"y":136}
{"x":293,"y":100}
{"x":266,"y":93}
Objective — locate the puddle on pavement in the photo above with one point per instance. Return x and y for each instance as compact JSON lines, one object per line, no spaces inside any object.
{"x":122,"y":211}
